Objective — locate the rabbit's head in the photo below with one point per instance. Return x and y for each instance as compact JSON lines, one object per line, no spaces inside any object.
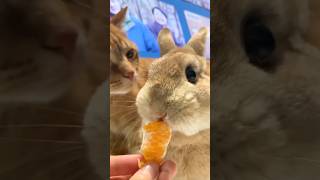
{"x":266,"y":90}
{"x":178,"y":86}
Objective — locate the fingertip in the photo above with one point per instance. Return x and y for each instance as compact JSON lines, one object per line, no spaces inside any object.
{"x":148,"y":172}
{"x":169,"y":166}
{"x":168,"y":170}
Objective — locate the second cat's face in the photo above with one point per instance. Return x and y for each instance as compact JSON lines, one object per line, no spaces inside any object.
{"x":42,"y":42}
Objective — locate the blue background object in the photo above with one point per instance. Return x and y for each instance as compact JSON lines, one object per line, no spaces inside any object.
{"x":142,"y":28}
{"x":181,"y":6}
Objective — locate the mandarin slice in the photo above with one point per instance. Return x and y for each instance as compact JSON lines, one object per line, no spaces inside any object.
{"x":156,"y":138}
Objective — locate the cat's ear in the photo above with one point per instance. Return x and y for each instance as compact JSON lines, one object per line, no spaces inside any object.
{"x":198,"y":41}
{"x":119,"y":18}
{"x":166,"y":42}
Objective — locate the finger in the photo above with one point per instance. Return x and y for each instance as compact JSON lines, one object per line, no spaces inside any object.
{"x":167,"y":171}
{"x":148,"y":172}
{"x":120,"y":177}
{"x":124,"y":165}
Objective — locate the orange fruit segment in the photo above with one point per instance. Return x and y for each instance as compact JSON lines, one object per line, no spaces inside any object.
{"x":156,"y":138}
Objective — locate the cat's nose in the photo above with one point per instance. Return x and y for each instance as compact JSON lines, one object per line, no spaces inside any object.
{"x":63,"y":40}
{"x":129,"y":75}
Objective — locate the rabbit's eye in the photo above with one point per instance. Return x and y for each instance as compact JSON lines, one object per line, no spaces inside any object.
{"x":259,"y":42}
{"x":191,"y":75}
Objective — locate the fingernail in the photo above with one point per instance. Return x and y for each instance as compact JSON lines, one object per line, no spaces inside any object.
{"x":151,"y":169}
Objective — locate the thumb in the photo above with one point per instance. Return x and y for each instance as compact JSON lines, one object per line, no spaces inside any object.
{"x":148,"y":172}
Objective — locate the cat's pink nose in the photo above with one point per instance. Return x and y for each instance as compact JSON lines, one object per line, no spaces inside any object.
{"x":129,"y":75}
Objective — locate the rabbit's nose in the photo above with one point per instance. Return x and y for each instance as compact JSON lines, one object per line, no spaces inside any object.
{"x":129,"y":75}
{"x":63,"y":40}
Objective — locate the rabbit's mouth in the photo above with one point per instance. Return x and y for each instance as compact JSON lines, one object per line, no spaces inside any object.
{"x":159,"y":116}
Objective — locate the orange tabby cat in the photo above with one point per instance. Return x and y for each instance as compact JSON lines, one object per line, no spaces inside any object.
{"x":123,"y":57}
{"x":122,"y":115}
{"x":47,"y":60}
{"x":122,"y":76}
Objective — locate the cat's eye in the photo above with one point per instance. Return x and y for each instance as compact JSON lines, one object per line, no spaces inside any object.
{"x":191,"y":74}
{"x":259,"y":42}
{"x":131,"y":54}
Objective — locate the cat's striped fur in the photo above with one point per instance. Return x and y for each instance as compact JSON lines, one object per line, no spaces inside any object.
{"x":123,"y":57}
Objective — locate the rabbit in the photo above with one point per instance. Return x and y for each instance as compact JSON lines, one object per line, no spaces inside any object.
{"x":190,"y":146}
{"x":266,"y":100}
{"x":178,"y":91}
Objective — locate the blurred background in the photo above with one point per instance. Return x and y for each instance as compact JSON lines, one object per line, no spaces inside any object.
{"x":146,"y":18}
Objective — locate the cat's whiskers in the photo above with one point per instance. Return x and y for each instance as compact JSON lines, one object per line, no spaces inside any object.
{"x":124,"y":101}
{"x":80,"y":172}
{"x":37,"y":158}
{"x":307,"y":160}
{"x":60,"y":164}
{"x":116,"y":84}
{"x":296,"y":158}
{"x":56,"y":109}
{"x":40,"y":126}
{"x":243,"y":166}
{"x":32,"y":140}
{"x":131,"y":127}
{"x":125,"y":106}
{"x":123,"y":114}
{"x":300,"y":160}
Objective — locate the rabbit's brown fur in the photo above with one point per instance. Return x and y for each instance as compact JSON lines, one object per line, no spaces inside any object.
{"x":186,"y":105}
{"x":266,"y":121}
{"x":190,"y":144}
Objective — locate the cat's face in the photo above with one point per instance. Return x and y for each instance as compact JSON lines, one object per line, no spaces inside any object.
{"x":42,"y":41}
{"x":266,"y":91}
{"x":123,"y":57}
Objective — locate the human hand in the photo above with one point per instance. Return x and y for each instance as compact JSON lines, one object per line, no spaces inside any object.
{"x":125,"y":167}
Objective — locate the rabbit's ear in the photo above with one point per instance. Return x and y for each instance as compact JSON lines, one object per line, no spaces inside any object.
{"x":198,"y":41}
{"x":166,"y":43}
{"x":119,"y":18}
